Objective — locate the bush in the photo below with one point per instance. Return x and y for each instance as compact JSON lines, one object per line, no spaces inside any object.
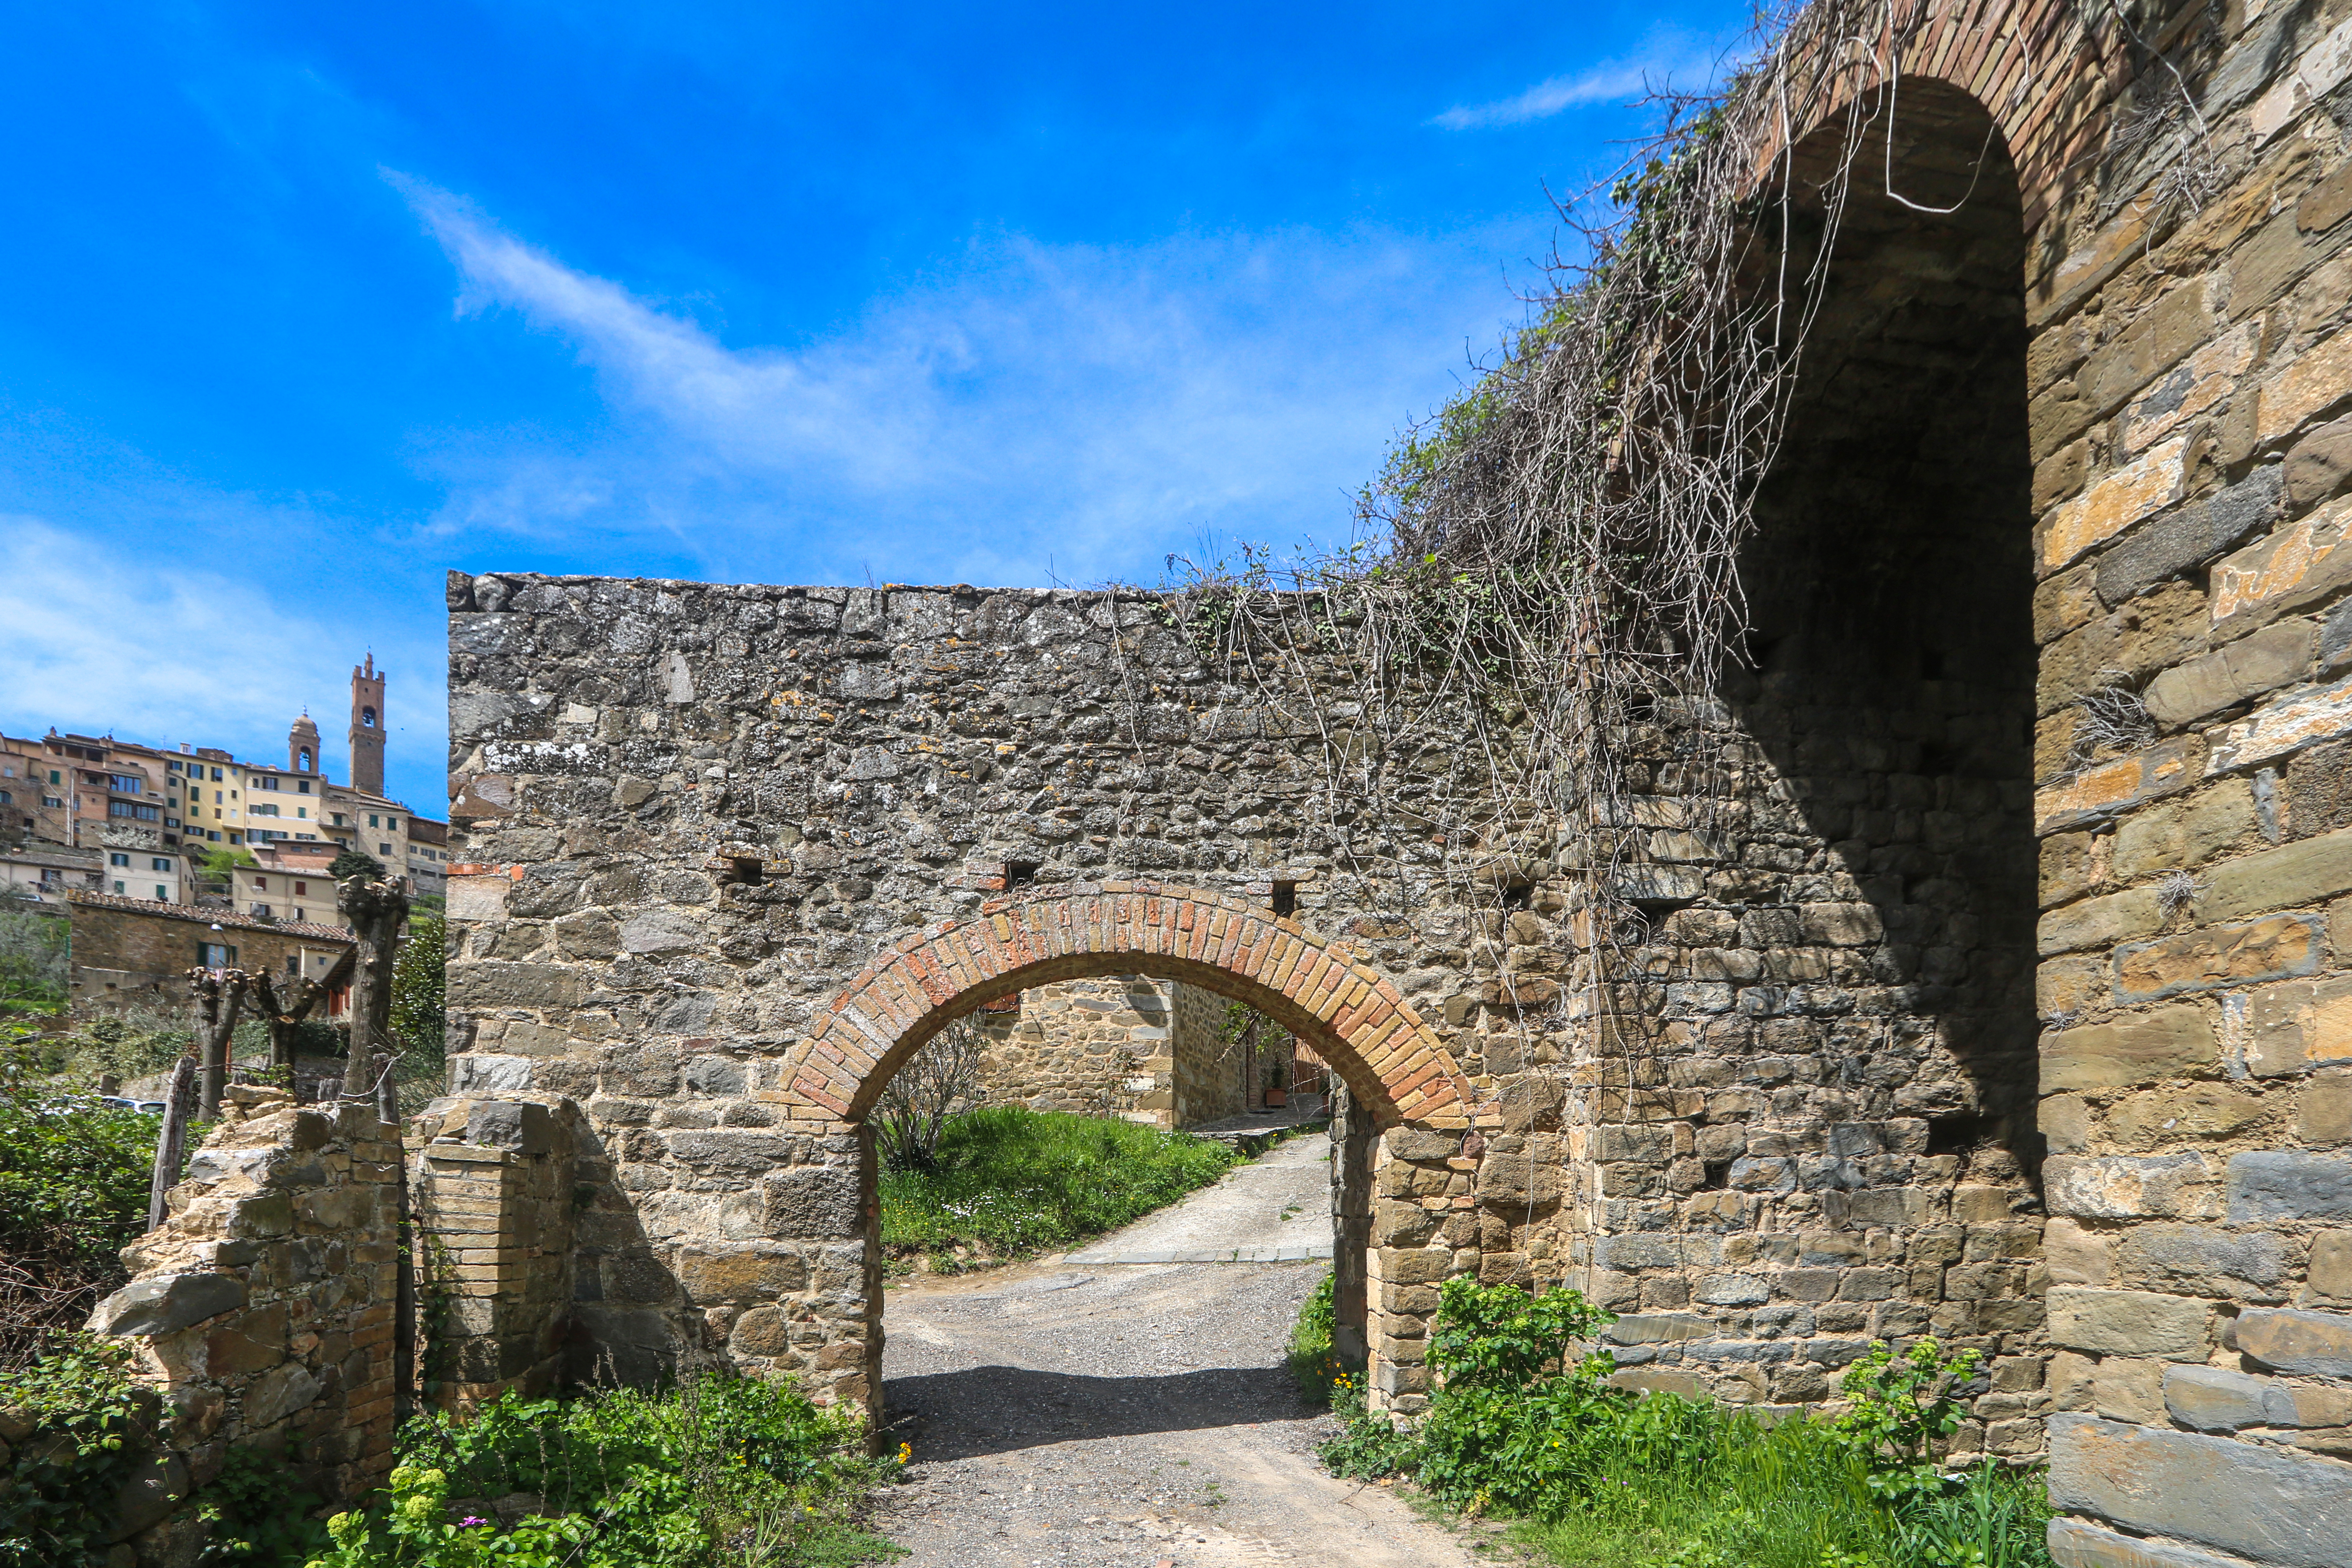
{"x":720,"y":1469}
{"x":1007,"y":1180}
{"x":89,"y":1433}
{"x":1522,"y":1423}
{"x":73,"y":1192}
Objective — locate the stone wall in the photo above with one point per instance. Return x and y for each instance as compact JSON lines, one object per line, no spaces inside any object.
{"x":1125,"y":1045}
{"x":264,"y":1307}
{"x":125,"y":947}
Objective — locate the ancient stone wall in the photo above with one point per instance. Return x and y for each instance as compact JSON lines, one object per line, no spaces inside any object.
{"x":264,"y":1307}
{"x":1125,"y":1045}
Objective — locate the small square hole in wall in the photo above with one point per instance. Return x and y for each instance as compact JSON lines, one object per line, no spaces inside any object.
{"x":1518,"y":894}
{"x":1285,"y":899}
{"x":745,"y":871}
{"x":1020,"y":873}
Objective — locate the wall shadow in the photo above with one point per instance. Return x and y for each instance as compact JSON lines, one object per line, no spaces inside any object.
{"x":1000,"y":1409}
{"x":1889,"y":684}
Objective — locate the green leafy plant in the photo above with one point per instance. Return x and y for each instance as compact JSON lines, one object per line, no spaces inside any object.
{"x":256,"y":1511}
{"x":90,"y":1427}
{"x":1901,"y":1404}
{"x":1312,"y":1357}
{"x":716,"y":1470}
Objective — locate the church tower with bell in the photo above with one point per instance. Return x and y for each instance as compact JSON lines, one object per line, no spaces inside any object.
{"x":367,"y":728}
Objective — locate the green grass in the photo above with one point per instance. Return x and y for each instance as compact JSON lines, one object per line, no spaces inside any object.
{"x":1010,"y":1181}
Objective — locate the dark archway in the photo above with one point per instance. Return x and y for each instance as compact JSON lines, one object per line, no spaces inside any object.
{"x":1890,"y":675}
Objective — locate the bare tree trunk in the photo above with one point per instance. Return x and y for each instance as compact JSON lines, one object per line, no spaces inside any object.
{"x":219,"y":996}
{"x":376,"y":912}
{"x":172,"y":1144}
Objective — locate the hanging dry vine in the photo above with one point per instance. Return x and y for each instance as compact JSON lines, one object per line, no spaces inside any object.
{"x":1544,"y":592}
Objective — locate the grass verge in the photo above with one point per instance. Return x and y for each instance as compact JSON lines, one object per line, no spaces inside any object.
{"x":1009,"y":1181}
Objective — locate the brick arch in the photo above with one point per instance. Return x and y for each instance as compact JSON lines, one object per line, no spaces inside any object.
{"x":2045,"y":73}
{"x":1355,"y":1020}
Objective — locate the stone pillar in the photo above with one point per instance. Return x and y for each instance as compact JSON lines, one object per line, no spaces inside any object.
{"x":1425,"y":1230}
{"x":1352,"y":1226}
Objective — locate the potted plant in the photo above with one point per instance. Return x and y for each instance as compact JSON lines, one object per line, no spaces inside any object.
{"x":1276,"y":1075}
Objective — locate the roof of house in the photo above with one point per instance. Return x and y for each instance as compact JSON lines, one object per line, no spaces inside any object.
{"x":227,"y":919}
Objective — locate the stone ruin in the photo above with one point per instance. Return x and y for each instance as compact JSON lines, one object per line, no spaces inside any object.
{"x":1995,"y":989}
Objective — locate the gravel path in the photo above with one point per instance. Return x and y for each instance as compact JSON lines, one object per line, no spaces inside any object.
{"x":1129,"y":1415}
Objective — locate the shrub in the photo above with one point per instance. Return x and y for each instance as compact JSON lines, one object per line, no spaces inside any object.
{"x":89,"y":1432}
{"x":1008,"y":1180}
{"x":73,"y":1192}
{"x":1521,"y":1422}
{"x":719,"y":1470}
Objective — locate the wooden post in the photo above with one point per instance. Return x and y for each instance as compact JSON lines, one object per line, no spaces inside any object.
{"x":172,"y":1144}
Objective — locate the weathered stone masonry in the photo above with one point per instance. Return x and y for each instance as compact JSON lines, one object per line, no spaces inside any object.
{"x":1129,"y":1045}
{"x":736,"y":851}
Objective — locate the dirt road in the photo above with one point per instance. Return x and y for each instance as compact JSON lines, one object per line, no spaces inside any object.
{"x":1111,"y":1415}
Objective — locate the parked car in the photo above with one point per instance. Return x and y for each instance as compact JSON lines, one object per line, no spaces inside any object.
{"x":117,"y":1102}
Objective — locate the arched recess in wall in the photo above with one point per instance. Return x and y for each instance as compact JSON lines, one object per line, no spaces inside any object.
{"x":1889,"y":678}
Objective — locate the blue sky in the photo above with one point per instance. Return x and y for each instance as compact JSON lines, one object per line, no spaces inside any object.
{"x":301,"y":306}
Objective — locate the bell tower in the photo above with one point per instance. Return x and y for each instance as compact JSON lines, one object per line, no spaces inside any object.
{"x":302,"y":746}
{"x":367,"y":728}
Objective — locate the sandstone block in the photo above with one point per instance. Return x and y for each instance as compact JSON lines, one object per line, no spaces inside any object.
{"x":2278,"y":655}
{"x":2298,"y":564}
{"x":2182,"y":834}
{"x":2281,"y":727}
{"x":2123,"y":1389}
{"x":2275,"y":948}
{"x":2237,"y":1497}
{"x":2287,"y":1184}
{"x":2293,"y":1028}
{"x":2316,"y":381}
{"x":2293,"y":875}
{"x":2128,"y":1324}
{"x":2213,"y":1400}
{"x":1657,"y":1328}
{"x":2200,"y":1260}
{"x":2100,"y":922}
{"x":2163,"y":1044}
{"x":2317,"y":1345}
{"x":2077,"y":1543}
{"x":2331,"y":1264}
{"x":2111,"y":788}
{"x":2160,"y":337}
{"x":2180,"y":1112}
{"x":485,"y":984}
{"x":2318,"y":466}
{"x":2325,"y":1114}
{"x":2113,"y":503}
{"x":813,"y":1202}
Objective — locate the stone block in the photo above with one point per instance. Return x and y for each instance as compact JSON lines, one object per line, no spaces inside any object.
{"x":2182,"y":834}
{"x":2100,"y":922}
{"x":2180,"y":1112}
{"x":2200,"y":1260}
{"x":1657,"y":1328}
{"x":2277,"y":947}
{"x":2213,"y":1400}
{"x":2325,"y":1114}
{"x":487,"y":985}
{"x":2270,"y":1185}
{"x":2331,"y":1264}
{"x":745,"y":1276}
{"x":2280,"y":728}
{"x":2128,"y":1324}
{"x":2260,"y":1504}
{"x":167,"y":1303}
{"x":2078,"y":1543}
{"x":2277,"y":656}
{"x":2317,"y":1344}
{"x":2188,"y":537}
{"x":2131,"y":1186}
{"x":2098,"y":794}
{"x":2290,"y":1029}
{"x":2291,"y":876}
{"x":2302,"y":562}
{"x":1417,"y":1144}
{"x":2317,"y":464}
{"x":517,"y":1127}
{"x":813,"y":1203}
{"x":1411,"y":1265}
{"x":2124,"y":1389}
{"x":2113,"y":502}
{"x":2074,"y":1254}
{"x":2168,"y":1043}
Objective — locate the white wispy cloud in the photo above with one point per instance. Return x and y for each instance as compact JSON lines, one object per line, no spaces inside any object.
{"x":1087,"y":404}
{"x":1668,"y":59}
